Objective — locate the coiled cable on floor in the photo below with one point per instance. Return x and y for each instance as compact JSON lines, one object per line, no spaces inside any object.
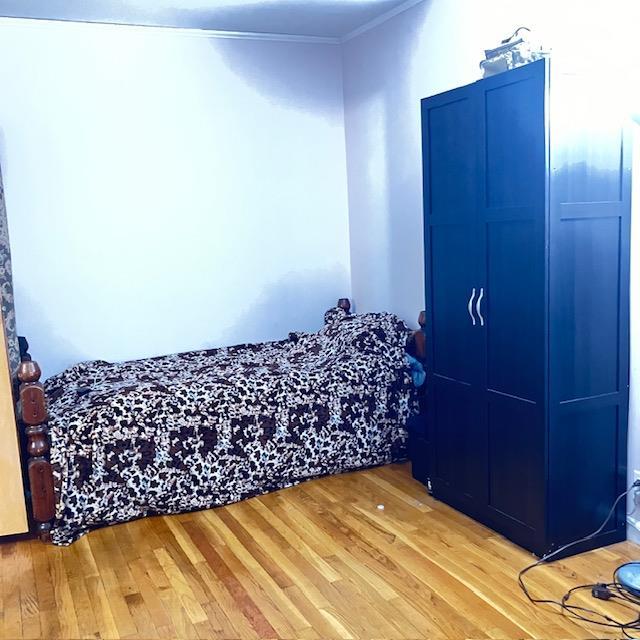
{"x":606,"y":591}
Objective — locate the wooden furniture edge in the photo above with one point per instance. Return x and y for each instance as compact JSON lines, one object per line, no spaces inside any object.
{"x":14,"y":519}
{"x":33,"y":416}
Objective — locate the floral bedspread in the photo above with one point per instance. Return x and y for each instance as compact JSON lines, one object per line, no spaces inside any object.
{"x":195,"y":430}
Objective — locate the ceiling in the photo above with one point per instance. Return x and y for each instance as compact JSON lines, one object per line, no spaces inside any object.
{"x":324,"y":18}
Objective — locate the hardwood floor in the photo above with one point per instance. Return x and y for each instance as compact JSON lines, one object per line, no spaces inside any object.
{"x":320,"y":560}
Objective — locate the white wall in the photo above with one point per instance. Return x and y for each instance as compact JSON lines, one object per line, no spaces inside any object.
{"x":430,"y":48}
{"x":168,"y":191}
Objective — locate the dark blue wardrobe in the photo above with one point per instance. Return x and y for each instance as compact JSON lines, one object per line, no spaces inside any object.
{"x":526,"y":218}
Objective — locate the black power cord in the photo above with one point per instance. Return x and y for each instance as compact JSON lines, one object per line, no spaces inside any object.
{"x":603,"y":591}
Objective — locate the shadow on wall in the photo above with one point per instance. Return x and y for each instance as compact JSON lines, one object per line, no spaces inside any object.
{"x":293,"y":74}
{"x":383,"y":88}
{"x":297,"y":75}
{"x":192,"y":316}
{"x":295,"y":304}
{"x":404,"y":175}
{"x":52,"y":351}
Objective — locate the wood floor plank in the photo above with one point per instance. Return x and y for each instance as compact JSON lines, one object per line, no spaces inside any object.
{"x":49,"y":622}
{"x":325,"y":627}
{"x":553,"y":580}
{"x":369,"y":598}
{"x":149,"y":594}
{"x":10,"y":593}
{"x":292,"y":572}
{"x":65,"y":607}
{"x":108,"y":561}
{"x":141,"y":617}
{"x":218,"y":622}
{"x":236,"y":589}
{"x":302,"y":546}
{"x":445,"y":621}
{"x":101,"y":608}
{"x":318,"y":560}
{"x":458,"y":594}
{"x":181,"y":587}
{"x":452,"y":623}
{"x":30,"y":611}
{"x":225,"y":611}
{"x":87,"y":623}
{"x":282,"y":615}
{"x":190,"y":550}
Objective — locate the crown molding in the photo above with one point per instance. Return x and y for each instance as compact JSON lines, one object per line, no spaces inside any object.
{"x":180,"y":31}
{"x":210,"y":33}
{"x":367,"y":26}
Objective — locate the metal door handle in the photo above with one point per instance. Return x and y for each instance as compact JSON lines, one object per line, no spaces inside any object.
{"x":470,"y":306}
{"x":478,"y":306}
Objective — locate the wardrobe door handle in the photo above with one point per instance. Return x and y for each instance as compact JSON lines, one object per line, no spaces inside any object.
{"x":478,"y":306}
{"x":470,"y":306}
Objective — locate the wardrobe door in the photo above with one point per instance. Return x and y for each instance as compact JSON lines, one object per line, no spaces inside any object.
{"x":512,"y":210}
{"x":449,"y":129}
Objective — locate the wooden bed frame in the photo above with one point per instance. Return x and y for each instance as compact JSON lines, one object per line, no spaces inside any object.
{"x":33,"y":415}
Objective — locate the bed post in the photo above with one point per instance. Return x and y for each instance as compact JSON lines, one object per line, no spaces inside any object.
{"x":420,"y":337}
{"x":344,"y":303}
{"x":33,"y":413}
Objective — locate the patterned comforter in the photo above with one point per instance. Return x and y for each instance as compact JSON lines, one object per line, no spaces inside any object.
{"x":206,"y":428}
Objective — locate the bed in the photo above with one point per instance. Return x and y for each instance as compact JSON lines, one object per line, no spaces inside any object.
{"x":111,"y":442}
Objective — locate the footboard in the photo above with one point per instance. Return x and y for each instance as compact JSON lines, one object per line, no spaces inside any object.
{"x":416,"y":345}
{"x":33,"y":414}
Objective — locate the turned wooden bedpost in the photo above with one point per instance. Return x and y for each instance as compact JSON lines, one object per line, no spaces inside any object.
{"x":420,"y":337}
{"x":33,"y":410}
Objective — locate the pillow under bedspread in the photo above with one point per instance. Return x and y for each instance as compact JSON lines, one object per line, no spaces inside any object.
{"x":206,"y":428}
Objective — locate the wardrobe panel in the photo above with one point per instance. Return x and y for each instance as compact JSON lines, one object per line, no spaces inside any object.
{"x":588,"y":142}
{"x":450,"y":125}
{"x":516,"y":445}
{"x":458,"y":439}
{"x":587,"y":306}
{"x":513,"y":118}
{"x":515,"y":308}
{"x":594,"y":168}
{"x":452,"y":250}
{"x":586,"y":438}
